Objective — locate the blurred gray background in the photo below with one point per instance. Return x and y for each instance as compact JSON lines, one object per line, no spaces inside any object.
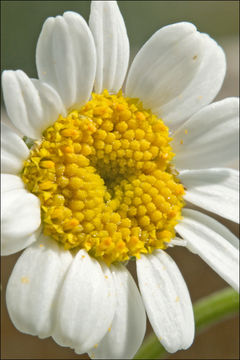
{"x":21,"y":23}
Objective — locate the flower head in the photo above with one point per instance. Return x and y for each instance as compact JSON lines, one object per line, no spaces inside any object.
{"x":106,"y":177}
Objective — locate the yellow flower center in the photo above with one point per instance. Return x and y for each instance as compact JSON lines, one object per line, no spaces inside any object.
{"x":104,"y":179}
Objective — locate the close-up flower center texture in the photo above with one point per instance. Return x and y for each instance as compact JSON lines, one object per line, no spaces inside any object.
{"x":105,"y":180}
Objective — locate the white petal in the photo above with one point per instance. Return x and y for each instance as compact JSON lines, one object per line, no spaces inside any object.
{"x":215,"y":190}
{"x":6,"y":120}
{"x":166,"y":300}
{"x":14,"y":151}
{"x":129,"y":323}
{"x":31,"y":105}
{"x":203,"y":88}
{"x":66,"y":58}
{"x":213,"y":242}
{"x":33,"y":286}
{"x":209,"y":138}
{"x":112,"y":45}
{"x":11,"y":182}
{"x":177,"y":241}
{"x":165,"y":65}
{"x":20,"y":218}
{"x":86,"y":304}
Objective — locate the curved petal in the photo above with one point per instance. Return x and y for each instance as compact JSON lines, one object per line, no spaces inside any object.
{"x":33,"y":286}
{"x":213,"y":242}
{"x":20,"y":217}
{"x":14,"y":151}
{"x":129,"y":323}
{"x":165,"y":65}
{"x":215,"y":190}
{"x":66,"y":58}
{"x":31,"y":105}
{"x":11,"y":182}
{"x":112,"y":45}
{"x":166,"y":300}
{"x":203,"y":88}
{"x":86,"y":304}
{"x":209,"y":138}
{"x":6,"y":120}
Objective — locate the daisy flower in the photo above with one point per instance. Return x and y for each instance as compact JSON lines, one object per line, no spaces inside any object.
{"x":101,"y":177}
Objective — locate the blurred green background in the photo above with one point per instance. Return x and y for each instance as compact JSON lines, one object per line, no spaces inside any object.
{"x":22,"y":21}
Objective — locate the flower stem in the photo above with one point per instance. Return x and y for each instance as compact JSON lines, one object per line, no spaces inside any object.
{"x":207,"y":311}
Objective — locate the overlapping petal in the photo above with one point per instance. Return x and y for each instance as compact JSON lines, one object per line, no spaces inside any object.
{"x":66,"y":58}
{"x":129,"y":323}
{"x":31,"y":105}
{"x":112,"y":45}
{"x":86,"y":304}
{"x":203,"y":88}
{"x":165,"y":65}
{"x":166,"y":300}
{"x":33,"y":287}
{"x":209,"y":138}
{"x":20,"y":216}
{"x":215,"y":190}
{"x":213,"y":242}
{"x":14,"y":151}
{"x":11,"y":182}
{"x":176,"y":72}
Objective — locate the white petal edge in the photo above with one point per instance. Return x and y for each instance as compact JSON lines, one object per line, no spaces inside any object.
{"x":112,"y":45}
{"x":20,"y":216}
{"x":31,"y":105}
{"x":164,"y":64}
{"x":66,"y":58}
{"x":128,"y":327}
{"x":11,"y":182}
{"x":213,"y":242}
{"x":166,"y":300}
{"x":5,"y":120}
{"x":14,"y":151}
{"x":86,"y":304}
{"x":33,"y":287}
{"x":203,"y":88}
{"x":209,"y":138}
{"x":215,"y":190}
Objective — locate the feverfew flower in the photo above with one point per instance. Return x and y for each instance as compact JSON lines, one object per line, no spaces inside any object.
{"x":106,"y":178}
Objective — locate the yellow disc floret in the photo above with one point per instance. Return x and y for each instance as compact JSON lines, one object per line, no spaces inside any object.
{"x":105,"y":181}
